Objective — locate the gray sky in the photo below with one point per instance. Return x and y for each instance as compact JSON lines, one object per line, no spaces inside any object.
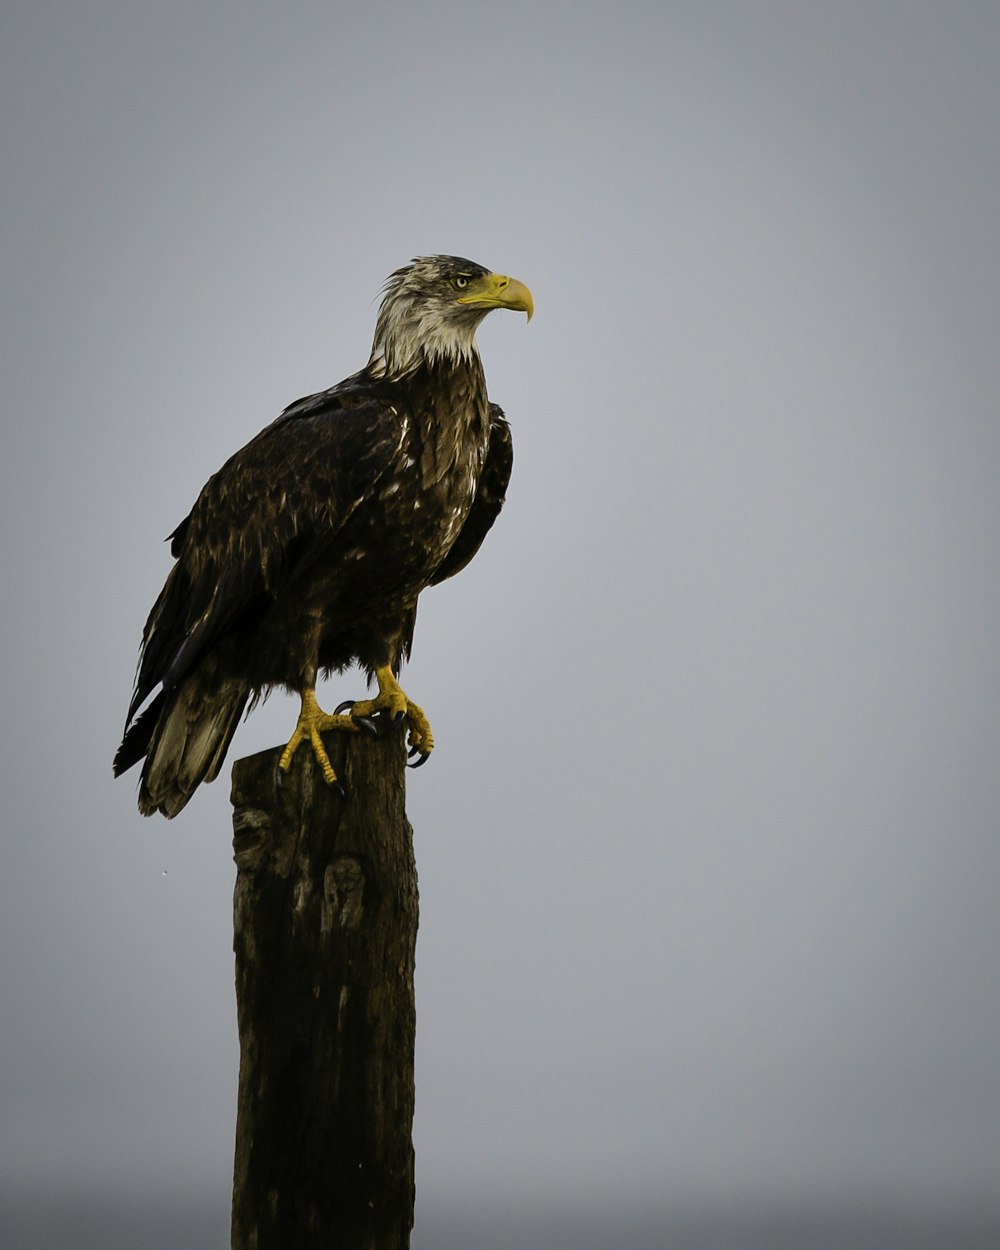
{"x":708,"y":849}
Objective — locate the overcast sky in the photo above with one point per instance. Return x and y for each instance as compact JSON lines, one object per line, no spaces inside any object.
{"x":708,"y":850}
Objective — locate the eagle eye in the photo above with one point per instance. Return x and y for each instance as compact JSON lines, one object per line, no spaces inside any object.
{"x":461,"y":281}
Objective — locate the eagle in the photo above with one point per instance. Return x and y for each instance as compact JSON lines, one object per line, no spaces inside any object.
{"x":307,"y":551}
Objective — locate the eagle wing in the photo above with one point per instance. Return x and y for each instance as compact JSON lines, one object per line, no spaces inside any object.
{"x":270,"y":510}
{"x":490,"y":495}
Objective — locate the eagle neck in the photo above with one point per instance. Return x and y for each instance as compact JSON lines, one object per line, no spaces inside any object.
{"x":449,"y":430}
{"x":449,"y":390}
{"x":402,"y":346}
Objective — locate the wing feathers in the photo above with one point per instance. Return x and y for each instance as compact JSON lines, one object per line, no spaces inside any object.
{"x":269,"y":512}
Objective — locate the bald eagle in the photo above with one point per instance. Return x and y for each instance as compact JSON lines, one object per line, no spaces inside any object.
{"x":307,"y":551}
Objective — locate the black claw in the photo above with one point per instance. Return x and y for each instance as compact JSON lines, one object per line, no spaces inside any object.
{"x":366,"y":723}
{"x":279,"y":776}
{"x":424,"y":757}
{"x":342,"y":707}
{"x":399,"y":717}
{"x":336,"y":784}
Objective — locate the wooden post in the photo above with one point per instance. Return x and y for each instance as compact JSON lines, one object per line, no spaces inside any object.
{"x":325,"y":915}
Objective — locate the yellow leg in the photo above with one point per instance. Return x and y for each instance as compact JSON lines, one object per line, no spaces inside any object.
{"x":393,"y":700}
{"x":311,"y":723}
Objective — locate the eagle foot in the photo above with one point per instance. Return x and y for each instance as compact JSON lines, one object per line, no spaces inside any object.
{"x":394,"y":704}
{"x":313,"y":722}
{"x":375,"y":725}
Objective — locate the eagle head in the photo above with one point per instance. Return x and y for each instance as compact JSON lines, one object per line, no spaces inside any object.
{"x":431,"y":308}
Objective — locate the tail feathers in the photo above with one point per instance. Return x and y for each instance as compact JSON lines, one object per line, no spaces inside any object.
{"x":186,"y":744}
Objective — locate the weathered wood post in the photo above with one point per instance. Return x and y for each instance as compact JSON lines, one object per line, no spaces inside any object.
{"x":325,"y":915}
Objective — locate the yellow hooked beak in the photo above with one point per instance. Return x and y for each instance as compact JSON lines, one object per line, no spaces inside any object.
{"x":496,"y":290}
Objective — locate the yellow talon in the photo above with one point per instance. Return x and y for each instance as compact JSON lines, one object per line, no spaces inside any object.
{"x":311,"y":723}
{"x":394,"y":701}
